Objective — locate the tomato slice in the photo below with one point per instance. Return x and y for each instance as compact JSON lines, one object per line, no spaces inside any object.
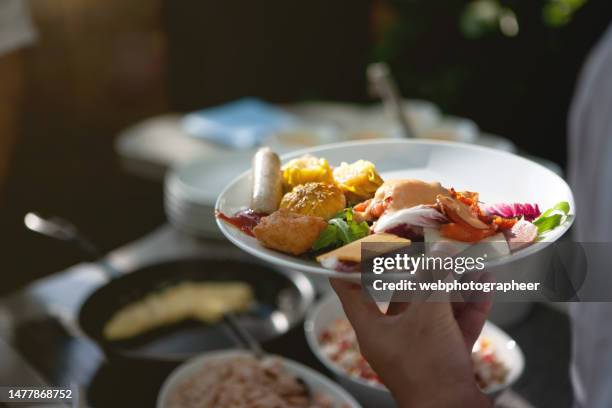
{"x":465,"y":233}
{"x":361,"y":207}
{"x":378,"y":208}
{"x":504,"y":223}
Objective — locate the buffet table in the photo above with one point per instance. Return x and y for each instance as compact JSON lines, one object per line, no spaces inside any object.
{"x":37,"y":326}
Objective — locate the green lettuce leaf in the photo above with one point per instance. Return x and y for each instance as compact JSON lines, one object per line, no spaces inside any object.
{"x":552,"y":218}
{"x":327,"y":238}
{"x":341,"y":230}
{"x":344,"y":232}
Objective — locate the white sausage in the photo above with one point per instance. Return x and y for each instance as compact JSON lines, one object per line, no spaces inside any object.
{"x":267,"y":181}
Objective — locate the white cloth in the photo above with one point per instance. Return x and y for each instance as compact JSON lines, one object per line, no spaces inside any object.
{"x":590,"y":165}
{"x":16,"y":28}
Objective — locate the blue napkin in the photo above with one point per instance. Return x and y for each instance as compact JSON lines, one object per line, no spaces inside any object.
{"x":241,"y":124}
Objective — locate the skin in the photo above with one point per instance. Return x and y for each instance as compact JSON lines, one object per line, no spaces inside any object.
{"x":421,"y":351}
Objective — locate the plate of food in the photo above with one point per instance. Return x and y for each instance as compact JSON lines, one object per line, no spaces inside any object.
{"x":312,"y":210}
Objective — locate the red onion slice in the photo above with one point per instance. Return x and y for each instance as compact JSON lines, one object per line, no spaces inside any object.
{"x":419,"y":216}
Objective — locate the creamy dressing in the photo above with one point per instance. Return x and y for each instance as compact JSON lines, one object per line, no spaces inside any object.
{"x":401,"y":194}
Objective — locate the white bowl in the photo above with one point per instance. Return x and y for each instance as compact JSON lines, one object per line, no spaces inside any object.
{"x":316,"y":382}
{"x":375,"y":395}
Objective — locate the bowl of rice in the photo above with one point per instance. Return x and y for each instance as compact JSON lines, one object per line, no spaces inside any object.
{"x":236,"y":378}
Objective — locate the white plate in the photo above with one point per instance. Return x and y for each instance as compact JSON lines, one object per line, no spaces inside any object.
{"x":495,"y":142}
{"x":329,"y":310}
{"x":499,"y":177}
{"x":201,"y":180}
{"x":317,"y":382}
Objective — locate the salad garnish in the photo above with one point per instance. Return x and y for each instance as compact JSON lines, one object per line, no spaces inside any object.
{"x":552,"y":218}
{"x":341,"y":230}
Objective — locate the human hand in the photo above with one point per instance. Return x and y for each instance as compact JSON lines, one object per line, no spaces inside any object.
{"x":421,"y":351}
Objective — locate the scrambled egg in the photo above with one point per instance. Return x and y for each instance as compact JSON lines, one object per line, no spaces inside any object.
{"x":206,"y":301}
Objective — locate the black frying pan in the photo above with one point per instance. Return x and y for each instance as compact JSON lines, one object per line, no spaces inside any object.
{"x":280,"y":302}
{"x":281,"y":299}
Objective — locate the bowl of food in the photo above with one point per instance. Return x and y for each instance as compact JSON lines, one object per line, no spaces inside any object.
{"x":313,"y":209}
{"x":227,"y":379}
{"x":498,"y":360}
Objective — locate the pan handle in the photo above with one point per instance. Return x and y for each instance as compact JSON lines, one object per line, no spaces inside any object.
{"x":63,"y":230}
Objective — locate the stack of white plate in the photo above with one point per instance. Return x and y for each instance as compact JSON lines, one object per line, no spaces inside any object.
{"x":190,"y":191}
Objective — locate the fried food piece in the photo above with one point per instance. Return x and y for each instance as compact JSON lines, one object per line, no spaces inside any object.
{"x":358,"y":180}
{"x":318,"y":199}
{"x":306,"y":169}
{"x":288,"y":232}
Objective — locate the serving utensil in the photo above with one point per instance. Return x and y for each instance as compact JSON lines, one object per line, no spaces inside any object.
{"x":244,"y":337}
{"x":385,"y":87}
{"x":250,"y":343}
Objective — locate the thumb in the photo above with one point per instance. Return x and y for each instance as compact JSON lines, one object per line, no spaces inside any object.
{"x":359,"y":308}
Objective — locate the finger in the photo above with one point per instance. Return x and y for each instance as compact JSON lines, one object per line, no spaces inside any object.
{"x":477,"y":295}
{"x":471,"y":319}
{"x":359,"y":308}
{"x":434,"y":311}
{"x":398,"y":304}
{"x":458,"y":308}
{"x":397,"y":307}
{"x":472,"y":312}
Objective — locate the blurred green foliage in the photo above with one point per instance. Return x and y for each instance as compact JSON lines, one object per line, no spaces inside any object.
{"x":510,"y":65}
{"x":559,"y":12}
{"x":449,"y":50}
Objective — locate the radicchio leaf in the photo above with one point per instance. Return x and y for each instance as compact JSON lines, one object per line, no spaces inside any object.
{"x":528,"y":211}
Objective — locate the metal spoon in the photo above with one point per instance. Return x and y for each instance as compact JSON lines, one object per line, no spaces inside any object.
{"x":63,"y":230}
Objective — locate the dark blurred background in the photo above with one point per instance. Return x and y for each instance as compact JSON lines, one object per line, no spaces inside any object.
{"x":101,"y":65}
